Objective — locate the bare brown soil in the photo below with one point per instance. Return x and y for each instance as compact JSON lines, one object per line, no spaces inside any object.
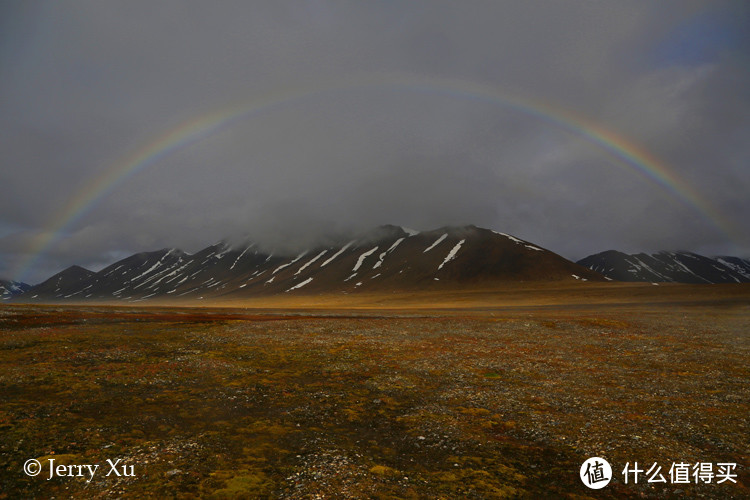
{"x":461,"y":394}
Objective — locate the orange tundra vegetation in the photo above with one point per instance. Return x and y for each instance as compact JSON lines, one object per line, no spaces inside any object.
{"x":410,"y":399}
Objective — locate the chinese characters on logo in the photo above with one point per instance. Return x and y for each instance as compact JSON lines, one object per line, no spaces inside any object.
{"x":682,"y":473}
{"x":596,"y":473}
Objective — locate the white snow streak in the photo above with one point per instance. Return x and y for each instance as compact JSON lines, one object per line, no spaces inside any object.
{"x":437,"y":242}
{"x":519,"y":242}
{"x":113,"y":270}
{"x":158,"y":263}
{"x":363,"y":257}
{"x":647,"y":267}
{"x":240,"y":256}
{"x":156,"y":275}
{"x":688,"y":270}
{"x":452,"y":254}
{"x":382,"y":255}
{"x":174,"y":273}
{"x":337,"y":253}
{"x":282,"y":266}
{"x":513,"y":238}
{"x":734,"y":267}
{"x":310,"y":262}
{"x":300,"y":285}
{"x":225,"y":249}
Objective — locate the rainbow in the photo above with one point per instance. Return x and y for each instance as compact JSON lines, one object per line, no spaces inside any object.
{"x":629,"y":155}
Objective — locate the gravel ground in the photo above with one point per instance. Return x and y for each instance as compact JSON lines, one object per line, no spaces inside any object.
{"x":492,"y":404}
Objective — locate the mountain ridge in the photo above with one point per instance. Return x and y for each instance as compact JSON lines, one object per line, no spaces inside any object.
{"x":387,"y":258}
{"x":668,"y":266}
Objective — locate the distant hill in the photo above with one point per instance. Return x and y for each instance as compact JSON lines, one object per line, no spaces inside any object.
{"x":61,"y":283}
{"x":10,"y":288}
{"x":388,"y":258}
{"x":679,"y":267}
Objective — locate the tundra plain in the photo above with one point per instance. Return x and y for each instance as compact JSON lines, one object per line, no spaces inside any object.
{"x":497,"y":393}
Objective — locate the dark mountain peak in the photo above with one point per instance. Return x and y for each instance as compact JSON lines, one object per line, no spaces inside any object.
{"x":64,"y":280}
{"x":75,"y":271}
{"x":612,"y":253}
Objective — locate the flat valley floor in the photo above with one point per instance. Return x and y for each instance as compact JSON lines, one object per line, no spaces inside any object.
{"x":496,"y":394}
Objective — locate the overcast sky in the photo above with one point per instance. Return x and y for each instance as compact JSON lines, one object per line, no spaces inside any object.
{"x":367,"y":113}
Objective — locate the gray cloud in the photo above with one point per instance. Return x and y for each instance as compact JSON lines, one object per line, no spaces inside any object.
{"x":87,"y":85}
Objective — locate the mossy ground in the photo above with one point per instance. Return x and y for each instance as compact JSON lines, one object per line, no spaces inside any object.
{"x":237,"y":405}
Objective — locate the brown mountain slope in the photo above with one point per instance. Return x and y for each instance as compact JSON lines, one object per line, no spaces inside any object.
{"x":388,"y":258}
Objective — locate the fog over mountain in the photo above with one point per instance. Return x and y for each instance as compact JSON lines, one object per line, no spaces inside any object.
{"x":387,"y":259}
{"x":579,"y":126}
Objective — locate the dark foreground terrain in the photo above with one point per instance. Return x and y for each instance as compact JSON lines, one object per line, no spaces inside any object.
{"x":419,"y":403}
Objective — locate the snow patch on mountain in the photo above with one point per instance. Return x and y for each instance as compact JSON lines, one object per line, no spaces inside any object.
{"x":330,"y":259}
{"x":452,"y":254}
{"x":312,"y":261}
{"x":300,"y":285}
{"x":390,"y":249}
{"x":251,"y":245}
{"x":362,"y":258}
{"x":437,"y":242}
{"x":282,"y":266}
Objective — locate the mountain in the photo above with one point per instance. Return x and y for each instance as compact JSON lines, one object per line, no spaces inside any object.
{"x":386,"y":259}
{"x":64,"y":284}
{"x":679,"y":267}
{"x":10,"y":289}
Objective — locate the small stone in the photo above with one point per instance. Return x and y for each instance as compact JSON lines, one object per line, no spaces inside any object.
{"x":172,"y":472}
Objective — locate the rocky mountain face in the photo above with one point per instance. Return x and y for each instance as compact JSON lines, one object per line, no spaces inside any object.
{"x":679,"y":267}
{"x":389,"y":258}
